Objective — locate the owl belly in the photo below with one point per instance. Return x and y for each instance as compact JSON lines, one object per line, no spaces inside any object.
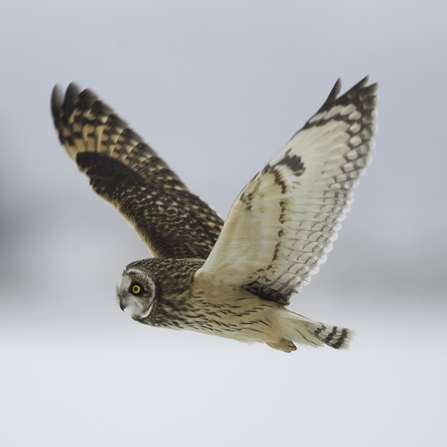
{"x":238,"y":315}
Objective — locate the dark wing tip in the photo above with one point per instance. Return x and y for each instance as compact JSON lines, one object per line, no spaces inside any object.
{"x":57,"y":104}
{"x":71,"y":95}
{"x":63,"y":103}
{"x":351,"y":93}
{"x":360,"y":90}
{"x":334,"y":92}
{"x":57,"y":98}
{"x":361,"y":86}
{"x":88,"y":98}
{"x":68,"y":101}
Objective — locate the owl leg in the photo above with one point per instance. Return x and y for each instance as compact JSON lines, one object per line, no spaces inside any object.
{"x":283,"y":345}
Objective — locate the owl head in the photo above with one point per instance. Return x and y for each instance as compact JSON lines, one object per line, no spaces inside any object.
{"x":138,"y":292}
{"x":151,"y":283}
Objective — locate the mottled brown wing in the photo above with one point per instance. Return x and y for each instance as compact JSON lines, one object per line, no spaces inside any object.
{"x":127,"y":172}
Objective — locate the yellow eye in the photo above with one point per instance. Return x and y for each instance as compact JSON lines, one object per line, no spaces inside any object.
{"x":136,"y":289}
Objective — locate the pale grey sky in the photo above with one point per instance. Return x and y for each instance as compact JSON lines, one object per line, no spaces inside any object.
{"x":217,"y":88}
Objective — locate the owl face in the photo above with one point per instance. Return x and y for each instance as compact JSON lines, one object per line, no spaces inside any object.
{"x":137,"y":293}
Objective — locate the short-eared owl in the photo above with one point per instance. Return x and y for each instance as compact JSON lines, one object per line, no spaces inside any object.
{"x":234,"y":278}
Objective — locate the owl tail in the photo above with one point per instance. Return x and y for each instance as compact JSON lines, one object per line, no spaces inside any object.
{"x":305,"y":331}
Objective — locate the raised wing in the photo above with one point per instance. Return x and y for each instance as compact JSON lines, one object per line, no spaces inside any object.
{"x":127,"y":173}
{"x":283,"y":223}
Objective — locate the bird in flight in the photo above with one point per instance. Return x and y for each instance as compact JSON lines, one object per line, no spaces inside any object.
{"x":232,"y":279}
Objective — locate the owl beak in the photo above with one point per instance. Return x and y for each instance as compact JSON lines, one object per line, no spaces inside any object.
{"x":122,"y":306}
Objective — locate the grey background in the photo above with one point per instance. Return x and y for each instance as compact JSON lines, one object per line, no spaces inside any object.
{"x":217,"y":88}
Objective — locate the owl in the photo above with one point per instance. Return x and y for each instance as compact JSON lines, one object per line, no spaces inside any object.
{"x":232,"y":279}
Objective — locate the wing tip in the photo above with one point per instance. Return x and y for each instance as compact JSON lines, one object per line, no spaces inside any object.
{"x":65,"y":103}
{"x":72,"y":93}
{"x":57,"y":98}
{"x":67,"y":100}
{"x":334,"y":92}
{"x":61,"y":101}
{"x":361,"y":88}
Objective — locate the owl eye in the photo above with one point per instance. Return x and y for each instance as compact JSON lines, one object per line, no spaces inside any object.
{"x":136,"y":288}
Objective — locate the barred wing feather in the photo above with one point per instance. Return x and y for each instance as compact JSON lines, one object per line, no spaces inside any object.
{"x":127,"y":173}
{"x":282,"y":225}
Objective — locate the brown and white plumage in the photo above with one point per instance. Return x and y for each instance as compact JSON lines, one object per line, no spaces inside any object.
{"x":127,"y":172}
{"x":231,"y":279}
